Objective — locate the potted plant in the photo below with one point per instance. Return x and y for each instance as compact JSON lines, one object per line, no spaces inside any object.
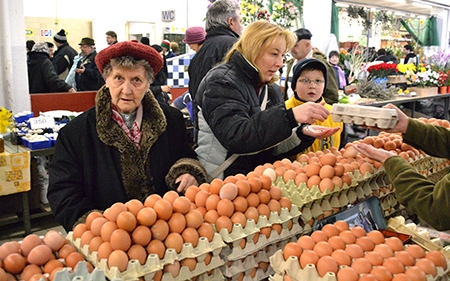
{"x":442,"y":80}
{"x":379,"y":71}
{"x":425,"y":81}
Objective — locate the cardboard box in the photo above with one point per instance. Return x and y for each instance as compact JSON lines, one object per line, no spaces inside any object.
{"x":424,"y":92}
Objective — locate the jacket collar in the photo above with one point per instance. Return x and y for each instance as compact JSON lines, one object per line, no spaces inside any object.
{"x":220,"y":31}
{"x":245,"y":68}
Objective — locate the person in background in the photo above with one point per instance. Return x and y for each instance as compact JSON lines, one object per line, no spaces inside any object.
{"x":410,"y":56}
{"x":63,"y":57}
{"x":159,"y":87}
{"x":241,"y":111}
{"x":165,"y":44}
{"x":382,"y":55}
{"x":195,"y":37}
{"x":333,"y":58}
{"x":303,"y":49}
{"x":29,"y":46}
{"x":145,"y":40}
{"x":175,"y":48}
{"x":87,"y":77}
{"x":428,"y":199}
{"x":42,"y":77}
{"x":51,"y":48}
{"x":127,"y":146}
{"x":111,"y":37}
{"x":391,"y":56}
{"x":309,"y":80}
{"x":223,"y":27}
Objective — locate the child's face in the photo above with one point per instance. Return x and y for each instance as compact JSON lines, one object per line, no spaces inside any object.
{"x":313,"y":89}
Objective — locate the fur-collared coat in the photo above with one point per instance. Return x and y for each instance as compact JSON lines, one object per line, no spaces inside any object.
{"x":96,"y":164}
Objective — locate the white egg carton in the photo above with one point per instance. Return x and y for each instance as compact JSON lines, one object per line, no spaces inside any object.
{"x":214,"y":275}
{"x":200,"y":269}
{"x":291,"y":267}
{"x":153,"y":263}
{"x":80,"y":273}
{"x":383,"y":118}
{"x":238,"y":232}
{"x":259,"y":275}
{"x":233,"y":251}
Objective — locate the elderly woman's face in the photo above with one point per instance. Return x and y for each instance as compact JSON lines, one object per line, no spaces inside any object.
{"x":127,"y":87}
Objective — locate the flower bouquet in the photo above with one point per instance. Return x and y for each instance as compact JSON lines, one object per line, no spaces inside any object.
{"x":381,"y":69}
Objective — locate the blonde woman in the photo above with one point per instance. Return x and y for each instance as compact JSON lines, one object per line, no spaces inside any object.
{"x":240,"y":111}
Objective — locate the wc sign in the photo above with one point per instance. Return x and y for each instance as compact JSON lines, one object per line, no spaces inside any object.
{"x":168,"y":16}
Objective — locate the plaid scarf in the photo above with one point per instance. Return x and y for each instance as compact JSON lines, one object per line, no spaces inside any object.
{"x":134,"y":134}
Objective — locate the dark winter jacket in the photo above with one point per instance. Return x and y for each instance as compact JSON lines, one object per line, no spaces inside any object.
{"x":217,"y":44}
{"x":231,"y":119}
{"x":160,"y":80}
{"x":63,"y":59}
{"x":96,"y":164}
{"x":42,"y":77}
{"x":91,"y":79}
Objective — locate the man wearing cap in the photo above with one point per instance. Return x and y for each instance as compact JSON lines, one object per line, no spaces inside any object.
{"x":63,"y":57}
{"x":223,"y":28}
{"x":87,"y":77}
{"x":303,"y":49}
{"x":165,"y":44}
{"x":195,"y":37}
{"x":111,"y":37}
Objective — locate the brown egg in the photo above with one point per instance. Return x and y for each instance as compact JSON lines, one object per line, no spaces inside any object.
{"x":337,"y":181}
{"x":173,"y":269}
{"x":51,"y":265}
{"x":194,"y":218}
{"x":190,"y":235}
{"x":274,"y":206}
{"x":200,"y":198}
{"x":14,"y":263}
{"x":266,"y":182}
{"x":174,"y":241}
{"x":376,"y":236}
{"x":141,"y":235}
{"x":405,"y":258}
{"x":326,"y":184}
{"x":306,"y":242}
{"x":328,"y":159}
{"x":27,"y":272}
{"x":341,"y":257}
{"x":91,"y":217}
{"x":53,"y":273}
{"x":339,"y":169}
{"x":54,"y":240}
{"x":86,"y":237}
{"x":285,"y":203}
{"x":416,"y":251}
{"x":37,"y":277}
{"x":347,"y":274}
{"x":381,"y":273}
{"x":358,"y":231}
{"x":346,"y":179}
{"x":384,"y":250}
{"x":216,"y":184}
{"x":252,"y":214}
{"x":341,"y":225}
{"x":243,"y":188}
{"x":361,"y":266}
{"x":224,"y":222}
{"x":40,"y":254}
{"x":308,"y":257}
{"x":211,"y":216}
{"x":151,"y":199}
{"x":401,"y":277}
{"x":104,"y":250}
{"x":374,"y":258}
{"x":354,"y":251}
{"x":160,"y":230}
{"x":253,"y":200}
{"x":348,"y":237}
{"x":313,"y":169}
{"x":73,"y":259}
{"x":292,"y":249}
{"x":416,"y":274}
{"x":330,"y":230}
{"x":437,"y":258}
{"x":112,"y":212}
{"x":95,"y":244}
{"x":427,"y":266}
{"x":181,"y":205}
{"x":177,"y":223}
{"x":365,"y":243}
{"x":394,"y":265}
{"x":9,"y":248}
{"x":163,"y":209}
{"x":318,"y":236}
{"x":206,"y":230}
{"x":190,"y":263}
{"x":313,"y":181}
{"x":134,"y":206}
{"x":322,"y":248}
{"x":289,"y":175}
{"x":240,"y":204}
{"x":378,"y":143}
{"x":326,"y":264}
{"x":255,"y":184}
{"x":29,"y":242}
{"x":301,"y":178}
{"x":107,"y":229}
{"x":394,"y":243}
{"x":336,"y":243}
{"x":190,"y":192}
{"x":65,"y":251}
{"x":120,"y":240}
{"x":228,"y":191}
{"x":225,"y":207}
{"x":326,"y":172}
{"x":240,"y":218}
{"x":119,"y":259}
{"x":156,"y":247}
{"x":366,"y":168}
{"x":126,"y":221}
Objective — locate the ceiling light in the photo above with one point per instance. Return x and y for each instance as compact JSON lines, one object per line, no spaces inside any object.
{"x":421,"y":5}
{"x":342,"y":5}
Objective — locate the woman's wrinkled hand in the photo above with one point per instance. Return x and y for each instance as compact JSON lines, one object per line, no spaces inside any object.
{"x":185,"y":180}
{"x":310,"y":112}
{"x":373,"y":153}
{"x":319,"y":132}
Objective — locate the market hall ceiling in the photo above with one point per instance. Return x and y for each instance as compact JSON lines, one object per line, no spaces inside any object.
{"x":407,"y":7}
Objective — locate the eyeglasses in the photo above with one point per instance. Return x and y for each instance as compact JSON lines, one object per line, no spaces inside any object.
{"x":308,"y":81}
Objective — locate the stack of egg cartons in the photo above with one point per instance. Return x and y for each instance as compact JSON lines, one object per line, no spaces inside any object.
{"x":162,"y":239}
{"x":253,"y":219}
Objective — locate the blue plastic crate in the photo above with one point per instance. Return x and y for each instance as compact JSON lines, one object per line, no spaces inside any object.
{"x":24,"y":141}
{"x":39,"y":144}
{"x":23,"y":118}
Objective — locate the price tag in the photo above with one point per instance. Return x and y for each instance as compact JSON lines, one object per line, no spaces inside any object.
{"x":41,"y":122}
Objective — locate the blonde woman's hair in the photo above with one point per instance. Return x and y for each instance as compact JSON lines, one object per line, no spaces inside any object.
{"x":257,"y":38}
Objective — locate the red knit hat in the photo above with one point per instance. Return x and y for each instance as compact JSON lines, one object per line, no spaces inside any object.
{"x":166,"y":44}
{"x":133,"y":49}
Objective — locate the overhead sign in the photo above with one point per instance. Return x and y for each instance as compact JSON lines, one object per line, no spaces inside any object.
{"x":29,"y":32}
{"x":168,"y":16}
{"x":46,"y":33}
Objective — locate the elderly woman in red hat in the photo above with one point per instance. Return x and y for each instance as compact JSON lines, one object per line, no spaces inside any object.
{"x":126,"y":147}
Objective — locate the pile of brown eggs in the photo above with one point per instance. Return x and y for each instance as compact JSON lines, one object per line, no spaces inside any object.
{"x":35,"y":257}
{"x":352,"y":254}
{"x":135,"y":230}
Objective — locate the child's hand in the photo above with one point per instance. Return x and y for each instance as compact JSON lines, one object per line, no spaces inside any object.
{"x":319,"y":132}
{"x":310,"y":112}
